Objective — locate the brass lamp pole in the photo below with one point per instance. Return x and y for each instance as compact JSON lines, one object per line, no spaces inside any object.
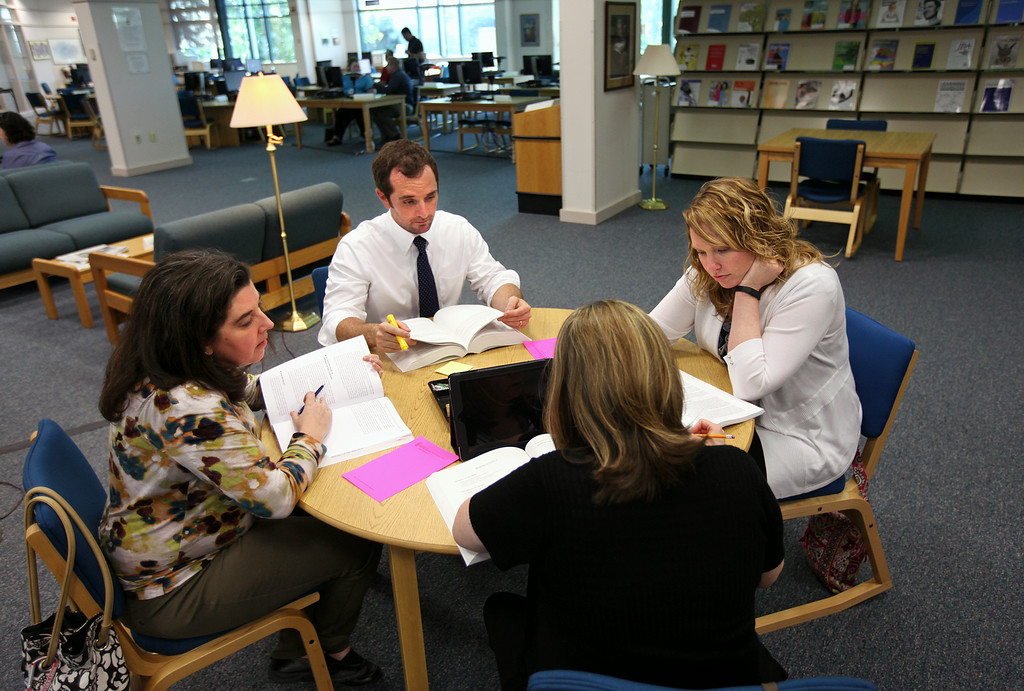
{"x":657,"y":61}
{"x":265,"y":101}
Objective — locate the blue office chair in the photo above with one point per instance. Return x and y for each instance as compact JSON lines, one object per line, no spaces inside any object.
{"x":572,"y":680}
{"x":75,"y":113}
{"x":840,"y":124}
{"x":320,"y":287}
{"x":194,"y":119}
{"x":832,"y":190}
{"x":869,"y":177}
{"x":64,"y":504}
{"x":882,"y":362}
{"x":44,"y":115}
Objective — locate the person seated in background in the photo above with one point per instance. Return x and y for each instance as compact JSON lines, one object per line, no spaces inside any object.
{"x":377,"y":267}
{"x":385,"y":74}
{"x":199,"y":526}
{"x":386,"y":117}
{"x":17,"y":133}
{"x":352,"y":82}
{"x":766,"y":303}
{"x":645,"y":543}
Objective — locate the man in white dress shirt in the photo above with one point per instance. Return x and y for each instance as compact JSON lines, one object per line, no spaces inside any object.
{"x":374,"y":270}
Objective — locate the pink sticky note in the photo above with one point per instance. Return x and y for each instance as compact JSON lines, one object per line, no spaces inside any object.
{"x":396,"y":470}
{"x":541,"y":349}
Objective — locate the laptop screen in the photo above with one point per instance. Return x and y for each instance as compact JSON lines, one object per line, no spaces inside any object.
{"x":497,"y":406}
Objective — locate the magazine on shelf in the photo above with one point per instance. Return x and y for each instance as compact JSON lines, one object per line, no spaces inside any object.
{"x":924,"y":51}
{"x":742,"y":93}
{"x":807,"y":94}
{"x":718,"y":93}
{"x":961,"y":52}
{"x":844,"y":58}
{"x":844,"y":94}
{"x":688,"y":92}
{"x":852,"y":14}
{"x":1010,"y":11}
{"x":968,"y":12}
{"x":776,"y":93}
{"x":950,"y":96}
{"x":1003,"y":53}
{"x":718,"y":18}
{"x":751,"y":17}
{"x":777,"y":56}
{"x":686,"y":56}
{"x":883,"y":55}
{"x":748,"y":56}
{"x":929,"y":13}
{"x":782,"y":19}
{"x":996,"y":96}
{"x":363,"y":419}
{"x":716,"y":57}
{"x":890,"y":14}
{"x":688,"y":19}
{"x":455,"y":331}
{"x":814,"y":15}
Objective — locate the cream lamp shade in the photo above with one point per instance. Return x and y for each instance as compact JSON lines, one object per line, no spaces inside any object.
{"x":657,"y":61}
{"x":265,"y":100}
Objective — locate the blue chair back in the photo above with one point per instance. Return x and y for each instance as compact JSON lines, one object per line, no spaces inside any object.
{"x":828,"y":159}
{"x":879,"y":358}
{"x":302,"y":81}
{"x":75,"y":104}
{"x":320,"y":287}
{"x":573,"y":680}
{"x":46,"y":88}
{"x":54,"y":461}
{"x":189,"y":108}
{"x":874,"y":125}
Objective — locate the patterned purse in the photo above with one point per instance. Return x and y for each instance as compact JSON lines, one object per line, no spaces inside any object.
{"x":832,"y":542}
{"x":80,"y":660}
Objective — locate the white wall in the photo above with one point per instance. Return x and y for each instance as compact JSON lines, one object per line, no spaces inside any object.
{"x":42,"y":20}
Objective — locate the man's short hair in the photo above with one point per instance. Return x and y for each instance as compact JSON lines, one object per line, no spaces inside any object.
{"x":408,"y":158}
{"x":406,"y":31}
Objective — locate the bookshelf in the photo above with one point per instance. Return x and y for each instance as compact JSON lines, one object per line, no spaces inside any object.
{"x":960,"y":76}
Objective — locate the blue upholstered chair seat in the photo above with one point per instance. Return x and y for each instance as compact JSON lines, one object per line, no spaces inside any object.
{"x":825,"y":192}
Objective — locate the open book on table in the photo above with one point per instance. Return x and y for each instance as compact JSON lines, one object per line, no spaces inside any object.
{"x":702,"y":400}
{"x":454,"y":331}
{"x":364,"y":420}
{"x":455,"y":484}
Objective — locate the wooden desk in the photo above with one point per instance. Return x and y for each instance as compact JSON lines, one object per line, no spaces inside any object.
{"x":443,"y":105}
{"x":219,"y":114}
{"x":378,"y":101}
{"x":409,"y":521}
{"x":911,"y":151}
{"x":140,"y":247}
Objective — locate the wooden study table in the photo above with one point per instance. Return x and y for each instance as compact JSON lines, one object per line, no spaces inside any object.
{"x":510,"y":104}
{"x":409,"y":521}
{"x":366,"y":105}
{"x":911,"y":151}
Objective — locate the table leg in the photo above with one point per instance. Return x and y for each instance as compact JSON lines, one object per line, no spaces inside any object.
{"x":906,"y":202}
{"x":401,"y":111}
{"x":298,"y":135}
{"x":407,"y":612}
{"x":44,"y":291}
{"x":426,"y":131}
{"x":78,"y":289}
{"x":922,"y":182}
{"x":762,"y":170}
{"x":369,"y":129}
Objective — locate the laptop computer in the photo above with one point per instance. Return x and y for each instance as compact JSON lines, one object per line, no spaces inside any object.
{"x":496,"y":406}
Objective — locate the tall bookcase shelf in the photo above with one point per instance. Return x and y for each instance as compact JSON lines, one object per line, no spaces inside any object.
{"x":962,"y":79}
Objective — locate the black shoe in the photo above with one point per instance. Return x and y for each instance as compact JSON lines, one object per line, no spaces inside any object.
{"x":333,"y":141}
{"x":354,"y":670}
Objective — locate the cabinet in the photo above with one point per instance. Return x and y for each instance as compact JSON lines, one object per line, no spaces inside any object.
{"x":752,"y":70}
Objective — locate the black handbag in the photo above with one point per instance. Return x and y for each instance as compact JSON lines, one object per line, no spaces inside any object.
{"x":87,"y":656}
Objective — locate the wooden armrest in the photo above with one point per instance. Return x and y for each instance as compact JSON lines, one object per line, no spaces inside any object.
{"x":102,"y":262}
{"x":128,"y":195}
{"x":345,"y":225}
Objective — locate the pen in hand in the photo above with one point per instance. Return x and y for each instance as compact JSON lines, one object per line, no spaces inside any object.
{"x":401,"y":341}
{"x":716,"y":436}
{"x":315,"y":394}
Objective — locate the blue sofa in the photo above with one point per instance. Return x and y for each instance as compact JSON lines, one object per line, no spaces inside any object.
{"x":55,"y":208}
{"x":314,"y":221}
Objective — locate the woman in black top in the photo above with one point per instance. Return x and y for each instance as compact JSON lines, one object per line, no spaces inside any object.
{"x":645,"y":543}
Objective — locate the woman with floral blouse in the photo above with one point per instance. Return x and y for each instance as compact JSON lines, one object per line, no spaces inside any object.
{"x":200,"y":527}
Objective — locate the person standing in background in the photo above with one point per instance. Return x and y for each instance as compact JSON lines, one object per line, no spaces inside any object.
{"x":415,"y":49}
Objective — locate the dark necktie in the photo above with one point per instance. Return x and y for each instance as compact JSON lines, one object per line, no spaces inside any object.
{"x":425,"y":280}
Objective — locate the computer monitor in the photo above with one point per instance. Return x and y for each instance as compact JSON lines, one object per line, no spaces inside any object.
{"x":365,"y":67}
{"x":352,"y":57}
{"x":334,"y":77}
{"x":465,"y":72}
{"x":377,"y":59}
{"x":233,"y":80}
{"x":195,"y":82}
{"x":216,"y":65}
{"x":538,"y":65}
{"x":486,"y":59}
{"x":321,"y":73}
{"x":80,"y":75}
{"x":253,"y":65}
{"x":231,"y":64}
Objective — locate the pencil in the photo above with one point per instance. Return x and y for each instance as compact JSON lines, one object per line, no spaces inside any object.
{"x":401,"y":341}
{"x":716,"y":436}
{"x":315,"y":394}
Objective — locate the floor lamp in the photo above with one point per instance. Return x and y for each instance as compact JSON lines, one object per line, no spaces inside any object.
{"x":657,"y":61}
{"x":265,"y":101}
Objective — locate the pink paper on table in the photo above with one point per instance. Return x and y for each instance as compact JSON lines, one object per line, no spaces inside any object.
{"x":541,"y":349}
{"x":396,"y":470}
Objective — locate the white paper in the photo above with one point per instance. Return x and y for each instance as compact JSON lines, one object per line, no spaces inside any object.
{"x":702,"y":400}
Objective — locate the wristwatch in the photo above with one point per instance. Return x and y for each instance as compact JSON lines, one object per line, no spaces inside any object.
{"x":752,"y":292}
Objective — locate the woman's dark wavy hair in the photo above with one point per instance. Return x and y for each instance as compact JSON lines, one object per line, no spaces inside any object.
{"x":16,"y":128}
{"x":179,"y":307}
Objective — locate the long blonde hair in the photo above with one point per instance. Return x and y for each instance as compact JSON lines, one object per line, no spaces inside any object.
{"x":615,"y":400}
{"x":735,"y":212}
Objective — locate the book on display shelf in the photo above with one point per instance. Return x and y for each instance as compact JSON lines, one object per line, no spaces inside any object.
{"x":718,"y":93}
{"x":814,"y":15}
{"x":950,"y":96}
{"x":807,"y":94}
{"x":751,"y":17}
{"x":883,"y":55}
{"x":924,"y":51}
{"x":688,"y":19}
{"x":748,"y":56}
{"x":686,"y":56}
{"x":1003,"y":53}
{"x":844,"y":94}
{"x":844,"y":58}
{"x":688,"y":92}
{"x":776,"y":93}
{"x":996,"y":95}
{"x":718,"y":18}
{"x":716,"y":57}
{"x":968,"y":12}
{"x":742,"y":93}
{"x":777,"y":56}
{"x":782,"y":17}
{"x":890,"y":14}
{"x":961,"y":53}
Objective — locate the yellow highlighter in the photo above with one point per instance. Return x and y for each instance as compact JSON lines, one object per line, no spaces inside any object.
{"x":401,"y":341}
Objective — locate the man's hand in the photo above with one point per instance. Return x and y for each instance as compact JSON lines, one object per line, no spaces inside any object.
{"x":386,"y":340}
{"x":517,"y":313}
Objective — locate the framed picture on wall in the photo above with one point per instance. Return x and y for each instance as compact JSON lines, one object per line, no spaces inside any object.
{"x":67,"y":51}
{"x":40,"y":50}
{"x":529,"y":29}
{"x":620,"y":32}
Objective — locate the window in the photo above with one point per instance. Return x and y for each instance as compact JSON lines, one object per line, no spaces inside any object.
{"x":196,"y":33}
{"x":257,"y":29}
{"x":446,"y":27}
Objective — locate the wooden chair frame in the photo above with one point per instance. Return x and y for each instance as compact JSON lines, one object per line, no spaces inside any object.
{"x":204,"y":132}
{"x":71,"y":124}
{"x":859,"y":510}
{"x":148,"y":670}
{"x":45,"y":116}
{"x":851,"y":211}
{"x":115,"y":307}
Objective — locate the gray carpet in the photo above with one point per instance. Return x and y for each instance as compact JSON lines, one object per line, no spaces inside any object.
{"x":944,"y":496}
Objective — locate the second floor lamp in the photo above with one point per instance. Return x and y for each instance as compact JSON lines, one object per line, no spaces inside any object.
{"x":657,"y":61}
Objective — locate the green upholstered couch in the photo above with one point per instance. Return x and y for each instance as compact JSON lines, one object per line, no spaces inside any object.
{"x":314,"y":222}
{"x":55,"y":208}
